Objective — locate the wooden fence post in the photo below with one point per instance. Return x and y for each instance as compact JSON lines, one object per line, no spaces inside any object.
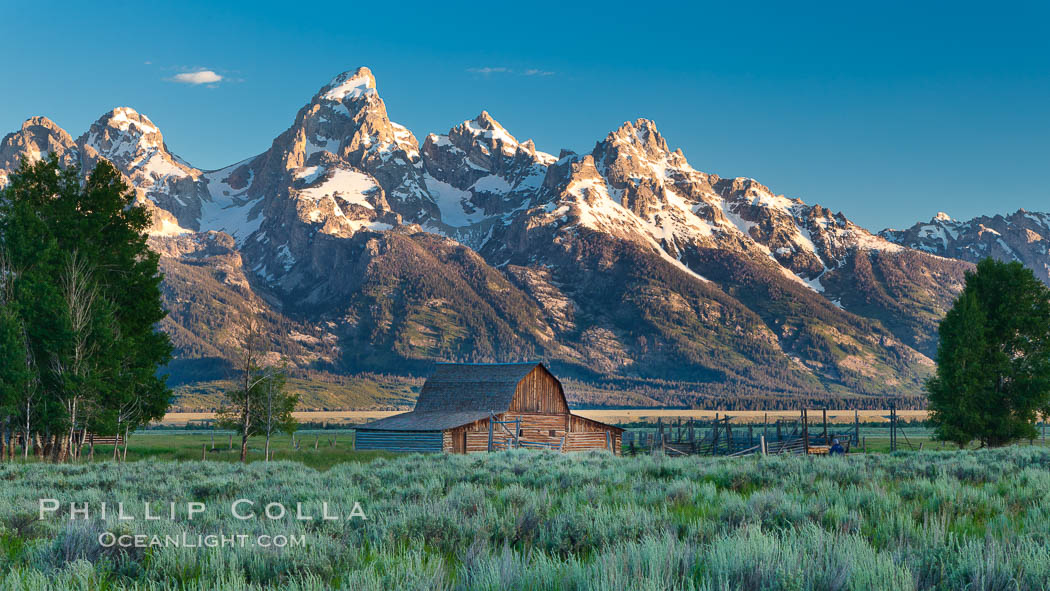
{"x":805,"y":431}
{"x":893,"y":427}
{"x":729,"y":436}
{"x":856,"y":426}
{"x":204,"y":451}
{"x":762,"y":443}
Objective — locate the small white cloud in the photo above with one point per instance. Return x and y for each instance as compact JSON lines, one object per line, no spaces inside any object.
{"x":489,"y":70}
{"x":198,"y":77}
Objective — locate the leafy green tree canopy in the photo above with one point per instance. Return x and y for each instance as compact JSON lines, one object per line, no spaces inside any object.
{"x":993,"y":361}
{"x":82,"y":290}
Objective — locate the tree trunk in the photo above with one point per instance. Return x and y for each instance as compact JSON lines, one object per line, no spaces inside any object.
{"x":244,"y":447}
{"x":116,"y":441}
{"x":126,"y":434}
{"x":58,"y":447}
{"x":72,"y":427}
{"x":267,"y":454}
{"x":25,"y":442}
{"x":82,"y":442}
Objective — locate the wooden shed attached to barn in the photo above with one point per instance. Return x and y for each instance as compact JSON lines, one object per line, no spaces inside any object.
{"x":457,"y":405}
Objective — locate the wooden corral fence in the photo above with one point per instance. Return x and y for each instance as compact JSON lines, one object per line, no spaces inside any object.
{"x":720,"y":437}
{"x":508,"y":434}
{"x":81,"y":439}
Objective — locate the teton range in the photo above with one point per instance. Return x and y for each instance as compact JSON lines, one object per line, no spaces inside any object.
{"x":623,"y":267}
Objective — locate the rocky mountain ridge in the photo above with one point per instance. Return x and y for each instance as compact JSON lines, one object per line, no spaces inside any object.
{"x":365,"y":251}
{"x":1021,"y":236}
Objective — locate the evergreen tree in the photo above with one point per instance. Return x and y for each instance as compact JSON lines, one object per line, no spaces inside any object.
{"x":87,"y":297}
{"x":993,"y":361}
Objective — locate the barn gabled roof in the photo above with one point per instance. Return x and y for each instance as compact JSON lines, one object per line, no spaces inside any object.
{"x":459,"y":393}
{"x":459,"y":387}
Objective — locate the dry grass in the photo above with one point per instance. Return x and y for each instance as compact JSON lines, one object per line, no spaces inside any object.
{"x":745,"y":416}
{"x":603,"y":415}
{"x":348,"y":417}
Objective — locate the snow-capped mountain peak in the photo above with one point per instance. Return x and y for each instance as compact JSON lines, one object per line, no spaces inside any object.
{"x":332,"y":213}
{"x":643,"y":135}
{"x":129,"y":139}
{"x":488,"y":130}
{"x":128,"y":119}
{"x":478,"y":174}
{"x":135,"y":145}
{"x":1021,"y":236}
{"x":350,"y":84}
{"x":38,"y":138}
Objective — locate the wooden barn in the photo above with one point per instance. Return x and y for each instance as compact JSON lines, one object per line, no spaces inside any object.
{"x":470,"y":407}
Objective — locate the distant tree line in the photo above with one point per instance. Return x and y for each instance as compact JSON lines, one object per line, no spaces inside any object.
{"x":80,"y":302}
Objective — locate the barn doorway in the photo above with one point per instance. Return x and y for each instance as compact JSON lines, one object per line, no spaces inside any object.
{"x":459,"y":442}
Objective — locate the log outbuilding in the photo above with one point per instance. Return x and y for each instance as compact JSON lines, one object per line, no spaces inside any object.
{"x":472,"y":407}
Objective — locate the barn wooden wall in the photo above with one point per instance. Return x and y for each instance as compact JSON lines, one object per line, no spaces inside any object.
{"x":539,"y":392}
{"x":401,"y":441}
{"x":475,"y":440}
{"x":588,"y":434}
{"x":579,"y":433}
{"x":539,"y":402}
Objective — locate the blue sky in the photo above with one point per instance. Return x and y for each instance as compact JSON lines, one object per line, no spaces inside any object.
{"x":886,"y":111}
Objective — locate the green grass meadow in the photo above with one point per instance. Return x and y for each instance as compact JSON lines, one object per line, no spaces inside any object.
{"x":320,"y":449}
{"x":976,"y":520}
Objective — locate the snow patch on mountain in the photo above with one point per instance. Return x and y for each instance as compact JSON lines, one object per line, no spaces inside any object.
{"x":453,"y":203}
{"x":348,"y":186}
{"x":229,"y":209}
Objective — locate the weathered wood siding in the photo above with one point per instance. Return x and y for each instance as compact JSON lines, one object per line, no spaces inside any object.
{"x":588,"y":434}
{"x":477,"y":437}
{"x":406,"y":441}
{"x":540,"y":406}
{"x":579,"y":434}
{"x":539,"y":392}
{"x":541,"y":428}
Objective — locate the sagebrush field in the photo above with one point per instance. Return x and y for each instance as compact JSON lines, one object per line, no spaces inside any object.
{"x":537,"y":520}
